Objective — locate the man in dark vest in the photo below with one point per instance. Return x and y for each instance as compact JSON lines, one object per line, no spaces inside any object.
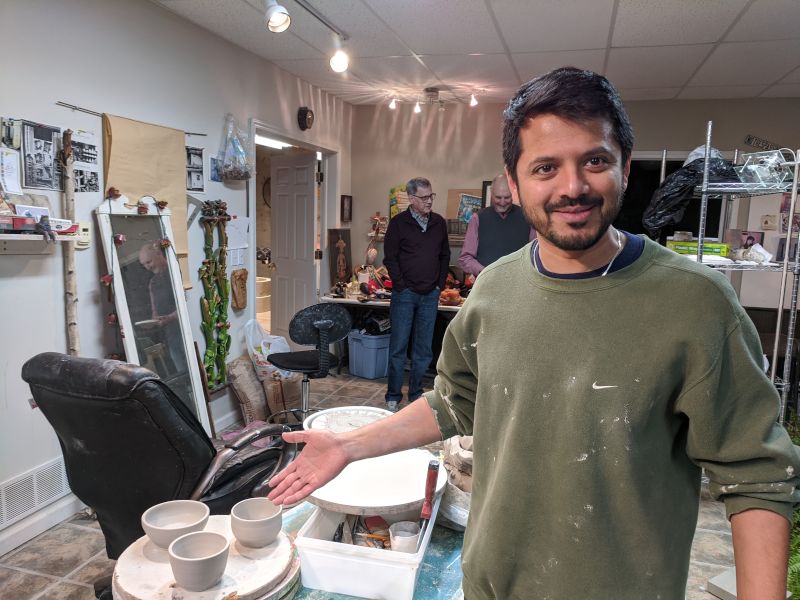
{"x":495,"y":231}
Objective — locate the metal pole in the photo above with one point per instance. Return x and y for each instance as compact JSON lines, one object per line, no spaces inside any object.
{"x":701,"y":233}
{"x":663,"y":173}
{"x":97,"y":114}
{"x":787,"y":360}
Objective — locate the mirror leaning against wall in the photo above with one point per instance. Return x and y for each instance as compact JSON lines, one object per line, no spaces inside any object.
{"x":149,"y":297}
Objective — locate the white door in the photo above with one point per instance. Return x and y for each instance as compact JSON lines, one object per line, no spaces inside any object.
{"x":293,"y":191}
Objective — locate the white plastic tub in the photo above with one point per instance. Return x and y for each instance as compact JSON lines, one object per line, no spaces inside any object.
{"x":356,"y":570}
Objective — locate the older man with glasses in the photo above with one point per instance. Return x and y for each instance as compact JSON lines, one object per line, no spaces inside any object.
{"x":417,"y":256}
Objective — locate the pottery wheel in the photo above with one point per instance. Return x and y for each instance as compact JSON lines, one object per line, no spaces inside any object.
{"x":143,"y":571}
{"x":384,"y":485}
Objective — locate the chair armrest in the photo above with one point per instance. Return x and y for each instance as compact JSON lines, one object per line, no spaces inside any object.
{"x":248,"y":437}
{"x":229,"y":451}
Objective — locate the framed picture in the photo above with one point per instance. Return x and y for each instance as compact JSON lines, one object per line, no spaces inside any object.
{"x":782,"y":249}
{"x":748,"y":238}
{"x":786,"y":201}
{"x":213,"y":164}
{"x":467,"y":206}
{"x":347,"y":209}
{"x":195,"y":176}
{"x":340,"y":255}
{"x":486,"y":193}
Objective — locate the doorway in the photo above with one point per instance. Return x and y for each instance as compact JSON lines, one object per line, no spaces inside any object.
{"x":289,"y":211}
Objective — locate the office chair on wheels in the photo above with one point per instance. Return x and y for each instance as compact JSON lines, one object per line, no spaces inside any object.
{"x":317,"y":325}
{"x":129,"y":443}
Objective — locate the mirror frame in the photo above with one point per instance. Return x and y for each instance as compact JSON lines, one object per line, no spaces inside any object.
{"x":123,"y":207}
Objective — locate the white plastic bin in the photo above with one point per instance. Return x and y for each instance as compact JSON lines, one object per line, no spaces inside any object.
{"x":355,"y":570}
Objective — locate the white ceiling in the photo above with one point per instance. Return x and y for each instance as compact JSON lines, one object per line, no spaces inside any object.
{"x":650,"y":49}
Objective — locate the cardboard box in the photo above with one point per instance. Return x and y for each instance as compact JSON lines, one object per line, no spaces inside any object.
{"x":691,"y":248}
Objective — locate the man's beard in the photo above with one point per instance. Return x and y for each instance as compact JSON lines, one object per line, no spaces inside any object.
{"x":573,"y":242}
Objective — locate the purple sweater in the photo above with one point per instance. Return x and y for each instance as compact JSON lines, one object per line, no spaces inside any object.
{"x":416,"y":259}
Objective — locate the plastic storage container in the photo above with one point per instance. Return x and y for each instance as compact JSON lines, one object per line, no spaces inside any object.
{"x":356,"y":570}
{"x":369,"y":355}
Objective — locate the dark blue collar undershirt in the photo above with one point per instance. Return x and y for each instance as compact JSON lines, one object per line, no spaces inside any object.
{"x":633,"y":249}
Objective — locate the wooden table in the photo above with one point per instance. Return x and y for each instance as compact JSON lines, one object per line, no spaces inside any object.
{"x":378,"y":303}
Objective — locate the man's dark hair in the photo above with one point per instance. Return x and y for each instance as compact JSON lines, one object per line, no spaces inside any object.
{"x":414,"y":184}
{"x":569,"y":93}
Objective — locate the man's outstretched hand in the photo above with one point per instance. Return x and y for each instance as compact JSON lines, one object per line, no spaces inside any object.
{"x":322,"y":459}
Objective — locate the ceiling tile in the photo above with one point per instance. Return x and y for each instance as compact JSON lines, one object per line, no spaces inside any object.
{"x":720,"y":92}
{"x":787,"y":90}
{"x":473,"y":72}
{"x":661,"y":66}
{"x":767,"y":20}
{"x":672,"y":22}
{"x":368,"y":35}
{"x":402,"y":75}
{"x":441,"y":27}
{"x":241,"y":23}
{"x":655,"y":93}
{"x":319,"y":72}
{"x":547,"y":25}
{"x":748,"y":63}
{"x":533,"y":64}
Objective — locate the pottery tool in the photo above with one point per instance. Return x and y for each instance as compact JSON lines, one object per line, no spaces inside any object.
{"x":427,"y":504}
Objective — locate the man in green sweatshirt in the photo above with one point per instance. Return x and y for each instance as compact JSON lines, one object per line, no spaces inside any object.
{"x":589,"y":444}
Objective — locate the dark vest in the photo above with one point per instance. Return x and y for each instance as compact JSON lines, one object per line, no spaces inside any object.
{"x":498,"y":236}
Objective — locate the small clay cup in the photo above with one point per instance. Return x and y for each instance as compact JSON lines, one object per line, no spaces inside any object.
{"x":166,"y":522}
{"x":256,"y":522}
{"x":198,"y":559}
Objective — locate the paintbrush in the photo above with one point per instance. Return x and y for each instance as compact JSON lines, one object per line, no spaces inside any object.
{"x":427,"y":504}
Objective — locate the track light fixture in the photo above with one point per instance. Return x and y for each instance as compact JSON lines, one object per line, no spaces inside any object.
{"x":276,"y":16}
{"x":417,"y":107}
{"x":340,"y":61}
{"x":473,"y":101}
{"x":393,"y":104}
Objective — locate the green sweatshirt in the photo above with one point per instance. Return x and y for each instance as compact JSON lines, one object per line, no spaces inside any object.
{"x":594,"y":404}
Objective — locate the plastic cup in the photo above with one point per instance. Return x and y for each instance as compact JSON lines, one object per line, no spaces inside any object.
{"x":404,"y":536}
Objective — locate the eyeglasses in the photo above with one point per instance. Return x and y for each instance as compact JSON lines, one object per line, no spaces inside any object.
{"x":429,"y":198}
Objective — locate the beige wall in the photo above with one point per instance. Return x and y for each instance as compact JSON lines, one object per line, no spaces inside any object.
{"x":459,"y":148}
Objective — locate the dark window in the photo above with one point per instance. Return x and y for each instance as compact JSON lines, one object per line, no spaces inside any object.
{"x":643,"y":181}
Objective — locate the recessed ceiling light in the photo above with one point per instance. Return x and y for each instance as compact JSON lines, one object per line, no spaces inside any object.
{"x":270,"y":143}
{"x":473,"y":101}
{"x":393,"y":104}
{"x":417,"y":107}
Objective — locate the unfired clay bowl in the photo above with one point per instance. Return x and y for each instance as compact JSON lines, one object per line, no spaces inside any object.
{"x":256,"y":522}
{"x":166,"y":522}
{"x":198,"y":559}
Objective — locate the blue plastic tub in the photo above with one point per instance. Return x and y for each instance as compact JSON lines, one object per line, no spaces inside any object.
{"x":369,"y":354}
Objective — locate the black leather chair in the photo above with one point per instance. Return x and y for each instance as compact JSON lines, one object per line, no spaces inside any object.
{"x":317,"y":325}
{"x":129,"y":442}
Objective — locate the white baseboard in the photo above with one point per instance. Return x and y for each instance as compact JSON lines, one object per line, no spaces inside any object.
{"x":39,"y":522}
{"x":226,"y":420}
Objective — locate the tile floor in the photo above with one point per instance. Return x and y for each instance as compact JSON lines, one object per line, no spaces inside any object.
{"x":62,"y":563}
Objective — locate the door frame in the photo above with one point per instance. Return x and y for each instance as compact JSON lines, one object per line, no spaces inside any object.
{"x":331,"y":168}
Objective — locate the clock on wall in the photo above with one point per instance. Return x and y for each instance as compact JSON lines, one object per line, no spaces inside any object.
{"x":305,"y":118}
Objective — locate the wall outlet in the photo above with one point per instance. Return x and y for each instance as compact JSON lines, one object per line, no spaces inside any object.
{"x":84,"y":236}
{"x":769,"y":222}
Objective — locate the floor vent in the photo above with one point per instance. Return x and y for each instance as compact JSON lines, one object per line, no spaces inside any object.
{"x":27,"y":493}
